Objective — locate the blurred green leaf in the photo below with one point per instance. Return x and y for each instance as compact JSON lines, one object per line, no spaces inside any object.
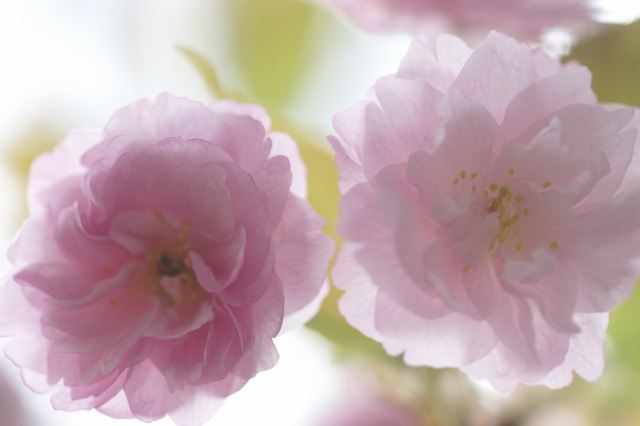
{"x":624,"y":329}
{"x":40,"y":136}
{"x":613,"y":56}
{"x":204,"y":68}
{"x":273,"y":45}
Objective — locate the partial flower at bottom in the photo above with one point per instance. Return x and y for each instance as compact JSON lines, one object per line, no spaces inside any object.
{"x":160,"y":259}
{"x":485,"y":226}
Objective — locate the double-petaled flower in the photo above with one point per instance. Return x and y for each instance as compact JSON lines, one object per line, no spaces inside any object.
{"x":160,"y":259}
{"x":484,"y":222}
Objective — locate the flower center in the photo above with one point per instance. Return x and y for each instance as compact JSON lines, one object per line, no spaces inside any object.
{"x":171,"y":277}
{"x":166,"y":265}
{"x":510,"y":208}
{"x":509,"y":214}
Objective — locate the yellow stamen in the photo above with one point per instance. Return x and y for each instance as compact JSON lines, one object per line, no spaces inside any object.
{"x":553,"y":245}
{"x":159,"y":216}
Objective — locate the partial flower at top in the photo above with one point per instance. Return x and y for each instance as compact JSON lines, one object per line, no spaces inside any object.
{"x":472,"y":18}
{"x":160,"y":259}
{"x":483,"y":219}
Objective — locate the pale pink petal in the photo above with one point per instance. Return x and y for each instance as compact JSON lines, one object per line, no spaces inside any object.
{"x":585,"y":355}
{"x":405,"y":333}
{"x":58,"y":165}
{"x":274,"y":179}
{"x":348,"y":147}
{"x":546,"y":96}
{"x":229,"y":106}
{"x":139,"y":232}
{"x":292,"y":263}
{"x":283,"y":145}
{"x":408,"y":118}
{"x":222,"y":263}
{"x":440,"y":68}
{"x":358,"y":304}
{"x":495,"y":73}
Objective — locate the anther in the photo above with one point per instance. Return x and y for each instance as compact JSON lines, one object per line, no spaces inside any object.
{"x":159,"y":216}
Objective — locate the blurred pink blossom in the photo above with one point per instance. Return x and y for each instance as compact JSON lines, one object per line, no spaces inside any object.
{"x":483,"y":222}
{"x":14,"y":411}
{"x":160,"y":259}
{"x":475,"y":18}
{"x":363,"y":400}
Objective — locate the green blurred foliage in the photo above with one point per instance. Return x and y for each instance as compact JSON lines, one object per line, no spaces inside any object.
{"x":274,"y":44}
{"x":39,"y":137}
{"x":624,"y":329}
{"x":204,"y":69}
{"x":613,"y":57}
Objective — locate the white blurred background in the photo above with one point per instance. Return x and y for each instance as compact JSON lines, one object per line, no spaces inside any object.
{"x":67,"y":64}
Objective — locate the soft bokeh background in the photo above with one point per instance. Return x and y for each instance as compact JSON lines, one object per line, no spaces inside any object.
{"x":68,"y":64}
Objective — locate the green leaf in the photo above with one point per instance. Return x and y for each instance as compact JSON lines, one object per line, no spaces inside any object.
{"x":613,"y":57}
{"x":624,"y":330}
{"x":273,"y":45}
{"x":205,"y":69}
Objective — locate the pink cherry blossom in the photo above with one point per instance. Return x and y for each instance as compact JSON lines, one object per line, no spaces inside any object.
{"x":160,"y":259}
{"x":484,"y":225}
{"x":525,"y":18}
